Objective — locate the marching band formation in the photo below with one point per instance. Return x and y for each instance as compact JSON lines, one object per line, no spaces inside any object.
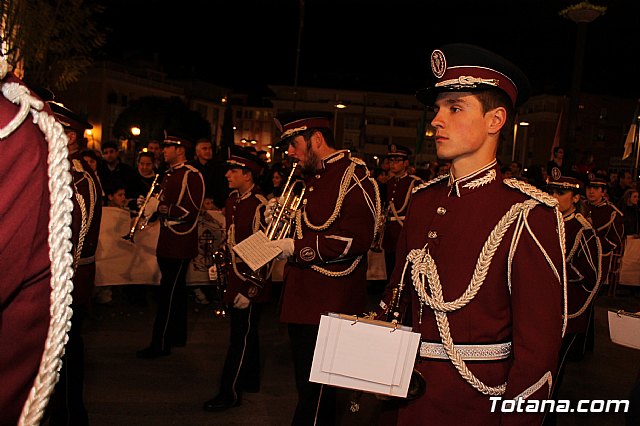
{"x":497,"y":276}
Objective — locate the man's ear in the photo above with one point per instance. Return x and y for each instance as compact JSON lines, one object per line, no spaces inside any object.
{"x":317,"y":140}
{"x":496,"y":119}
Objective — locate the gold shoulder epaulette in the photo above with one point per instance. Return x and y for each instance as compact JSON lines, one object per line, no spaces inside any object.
{"x":262,"y":198}
{"x":615,"y":208}
{"x":583,"y":221}
{"x":190,"y":167}
{"x":429,"y":183}
{"x":531,"y":191}
{"x":77,"y":165}
{"x":358,"y":161}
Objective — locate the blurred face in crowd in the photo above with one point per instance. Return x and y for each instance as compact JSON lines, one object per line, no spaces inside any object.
{"x":566,"y":199}
{"x":559,"y":154}
{"x":110,"y":155}
{"x":208,"y":204}
{"x":91,"y":162}
{"x":154,"y":147}
{"x":239,"y":179}
{"x":626,"y":180}
{"x":277,"y":179}
{"x":633,"y":199}
{"x":117,"y":199}
{"x":204,"y":152}
{"x":398,"y":165}
{"x":595,"y":194}
{"x":145,"y":166}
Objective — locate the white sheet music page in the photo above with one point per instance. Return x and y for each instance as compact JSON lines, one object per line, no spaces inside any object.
{"x":255,"y":252}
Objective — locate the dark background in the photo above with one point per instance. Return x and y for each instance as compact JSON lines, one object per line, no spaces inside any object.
{"x":372,"y":44}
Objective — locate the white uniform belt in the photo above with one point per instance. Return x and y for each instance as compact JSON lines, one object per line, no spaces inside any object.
{"x":393,"y":218}
{"x":86,"y":260}
{"x":489,"y":352}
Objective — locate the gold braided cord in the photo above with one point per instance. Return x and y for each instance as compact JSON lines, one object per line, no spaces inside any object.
{"x":342,"y":192}
{"x":347,"y":177}
{"x":60,"y":248}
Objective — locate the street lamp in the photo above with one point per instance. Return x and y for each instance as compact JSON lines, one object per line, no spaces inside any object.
{"x":516,"y":126}
{"x":135,"y":131}
{"x":580,"y":13}
{"x":338,"y":105}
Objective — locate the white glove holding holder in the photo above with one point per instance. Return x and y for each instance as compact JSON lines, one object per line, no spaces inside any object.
{"x":151,"y":207}
{"x":286,"y":245}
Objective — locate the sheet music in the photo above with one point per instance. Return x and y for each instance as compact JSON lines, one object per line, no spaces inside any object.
{"x":624,"y":329}
{"x":364,"y":355}
{"x":255,"y":252}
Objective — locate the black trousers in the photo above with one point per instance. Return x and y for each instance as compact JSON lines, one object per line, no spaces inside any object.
{"x":241,"y":371}
{"x":303,"y":343}
{"x":66,"y":406}
{"x":170,"y":325}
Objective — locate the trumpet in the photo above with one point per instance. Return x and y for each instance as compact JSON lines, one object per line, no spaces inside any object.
{"x":283,"y":219}
{"x":221,"y":260}
{"x":141,"y":221}
{"x":284,"y":213}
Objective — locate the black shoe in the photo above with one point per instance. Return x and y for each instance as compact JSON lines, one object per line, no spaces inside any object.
{"x":152,"y":353}
{"x":220,"y":403}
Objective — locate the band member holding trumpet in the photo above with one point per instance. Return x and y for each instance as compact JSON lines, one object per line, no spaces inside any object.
{"x":327,"y":256}
{"x":244,"y":215}
{"x":480,"y":258}
{"x":178,"y":205}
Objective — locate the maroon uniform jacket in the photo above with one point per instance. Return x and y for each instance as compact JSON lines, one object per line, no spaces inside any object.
{"x":244,"y":215}
{"x":398,"y":194}
{"x":583,"y":270}
{"x":335,"y":227}
{"x":608,"y":222}
{"x":24,"y":258}
{"x":181,"y":198}
{"x":85,"y":227}
{"x":497,"y":252}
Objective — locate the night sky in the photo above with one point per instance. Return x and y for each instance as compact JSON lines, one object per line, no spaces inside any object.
{"x":371,"y":44}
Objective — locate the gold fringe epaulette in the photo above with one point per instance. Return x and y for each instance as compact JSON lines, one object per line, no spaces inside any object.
{"x":583,"y":221}
{"x":358,"y":161}
{"x":429,"y":183}
{"x":532,"y":192}
{"x":262,"y":198}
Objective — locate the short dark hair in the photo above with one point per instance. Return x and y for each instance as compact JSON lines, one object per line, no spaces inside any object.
{"x":113,"y":186}
{"x":110,"y":144}
{"x":203,"y":140}
{"x":89,"y":153}
{"x":494,"y":98}
{"x":327,"y":134}
{"x":556,"y":149}
{"x":146,"y":154}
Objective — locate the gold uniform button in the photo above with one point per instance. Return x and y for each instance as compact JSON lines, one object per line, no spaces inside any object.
{"x":432,"y":234}
{"x":311,"y":189}
{"x":317,"y":176}
{"x":441,"y":211}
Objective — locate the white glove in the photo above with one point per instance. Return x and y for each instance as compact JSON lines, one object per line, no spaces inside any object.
{"x":285,"y":245}
{"x":241,"y":302}
{"x":268,"y":211}
{"x":140,"y":200}
{"x":213,"y":273}
{"x":151,"y":207}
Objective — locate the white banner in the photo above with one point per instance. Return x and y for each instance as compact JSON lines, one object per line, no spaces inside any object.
{"x":630,"y":268}
{"x":121,"y":262}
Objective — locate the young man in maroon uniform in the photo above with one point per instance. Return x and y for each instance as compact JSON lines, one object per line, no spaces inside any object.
{"x":178,"y":207}
{"x":399,"y":187}
{"x":584,"y":259}
{"x":244,"y":213}
{"x":484,"y":257}
{"x":327,"y":266}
